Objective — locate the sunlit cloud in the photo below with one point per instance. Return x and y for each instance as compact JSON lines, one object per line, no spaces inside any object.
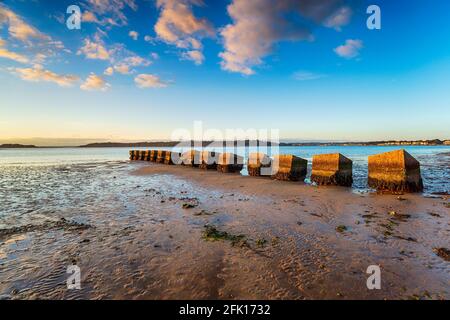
{"x":149,"y":81}
{"x":339,"y":19}
{"x":29,"y":39}
{"x":109,"y":71}
{"x":5,"y":53}
{"x":94,"y":50}
{"x":38,"y":74}
{"x":350,"y":49}
{"x":18,"y":28}
{"x":259,"y":24}
{"x":95,"y":83}
{"x":122,"y":69}
{"x":177,"y":25}
{"x":133,"y":35}
{"x":125,"y":60}
{"x":89,"y":17}
{"x":109,"y":12}
{"x":194,"y":55}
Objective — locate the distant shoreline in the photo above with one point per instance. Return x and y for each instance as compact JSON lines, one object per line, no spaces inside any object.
{"x":434,"y":142}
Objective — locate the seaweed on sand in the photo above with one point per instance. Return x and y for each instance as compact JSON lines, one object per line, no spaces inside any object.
{"x":211,"y":233}
{"x":341,"y":228}
{"x":61,"y":224}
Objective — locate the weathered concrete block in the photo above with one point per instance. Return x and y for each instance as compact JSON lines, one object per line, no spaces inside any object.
{"x":209,"y":160}
{"x":256,"y":162}
{"x":191,"y":158}
{"x":288,"y":167}
{"x":229,"y":163}
{"x":132,"y":155}
{"x":161,"y":156}
{"x":153,"y":155}
{"x":142,"y":155}
{"x":395,"y":171}
{"x":332,"y":169}
{"x":172,"y":157}
{"x":146,"y":155}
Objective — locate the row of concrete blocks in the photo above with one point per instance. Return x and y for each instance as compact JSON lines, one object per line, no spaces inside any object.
{"x":395,"y":171}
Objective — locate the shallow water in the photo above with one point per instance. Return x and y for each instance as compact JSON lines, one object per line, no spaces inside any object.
{"x":140,"y":243}
{"x":435,"y":160}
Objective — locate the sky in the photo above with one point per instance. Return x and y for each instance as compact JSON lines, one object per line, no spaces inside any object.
{"x":139,"y":70}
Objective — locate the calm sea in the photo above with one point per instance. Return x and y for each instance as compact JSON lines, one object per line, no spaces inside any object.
{"x":435,"y":160}
{"x":36,"y":184}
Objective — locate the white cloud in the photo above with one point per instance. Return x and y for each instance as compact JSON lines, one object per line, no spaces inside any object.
{"x":134,"y":35}
{"x":306,"y":75}
{"x":149,"y":39}
{"x":350,"y":49}
{"x":39,"y":58}
{"x":339,"y":19}
{"x":149,"y":81}
{"x":177,"y":24}
{"x":95,"y":83}
{"x":38,"y":74}
{"x":258,"y":25}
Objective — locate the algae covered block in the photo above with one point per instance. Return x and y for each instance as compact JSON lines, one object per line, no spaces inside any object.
{"x":172,"y":157}
{"x":142,"y":155}
{"x":395,"y":171}
{"x":161,"y":156}
{"x":191,"y":158}
{"x":146,"y":155}
{"x":288,"y":167}
{"x":332,"y":169}
{"x":230,"y":163}
{"x":132,"y":155}
{"x":256,"y":163}
{"x":153,"y":155}
{"x":209,"y":160}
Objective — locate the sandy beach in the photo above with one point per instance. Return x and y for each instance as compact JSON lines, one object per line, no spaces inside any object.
{"x":294,"y":243}
{"x":185,"y":233}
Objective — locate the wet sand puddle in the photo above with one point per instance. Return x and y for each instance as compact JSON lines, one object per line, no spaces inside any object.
{"x":179,"y":233}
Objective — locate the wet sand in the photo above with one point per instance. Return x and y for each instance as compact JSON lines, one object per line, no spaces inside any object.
{"x":269,"y":240}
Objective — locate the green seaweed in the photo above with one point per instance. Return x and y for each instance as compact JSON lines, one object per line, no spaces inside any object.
{"x":211,"y":233}
{"x":261,"y":242}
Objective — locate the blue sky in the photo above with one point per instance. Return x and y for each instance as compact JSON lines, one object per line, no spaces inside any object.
{"x":137,"y":70}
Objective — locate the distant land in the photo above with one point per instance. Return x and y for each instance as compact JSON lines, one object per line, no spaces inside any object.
{"x":434,"y":142}
{"x":13,"y":146}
